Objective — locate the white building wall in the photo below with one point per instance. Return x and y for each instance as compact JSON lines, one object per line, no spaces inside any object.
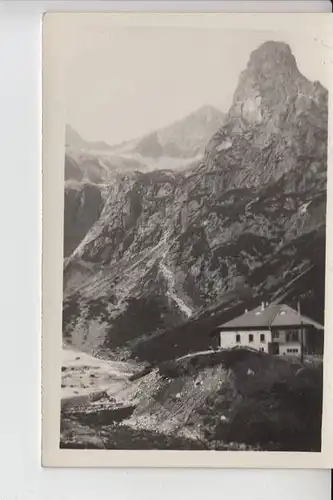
{"x":229,"y":339}
{"x":290,"y":349}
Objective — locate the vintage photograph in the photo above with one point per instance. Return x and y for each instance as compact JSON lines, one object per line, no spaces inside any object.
{"x":194,"y":237}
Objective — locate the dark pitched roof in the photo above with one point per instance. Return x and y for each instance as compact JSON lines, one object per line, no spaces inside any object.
{"x":269,"y":317}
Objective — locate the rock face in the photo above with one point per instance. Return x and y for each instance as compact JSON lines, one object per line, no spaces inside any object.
{"x":83,"y":204}
{"x":150,"y":146}
{"x":86,"y":168}
{"x":247,"y":223}
{"x":277,"y":123}
{"x":189,"y":137}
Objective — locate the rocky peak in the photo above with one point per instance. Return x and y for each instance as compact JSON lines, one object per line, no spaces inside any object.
{"x":270,"y":80}
{"x":273,"y":58}
{"x":268,"y":124}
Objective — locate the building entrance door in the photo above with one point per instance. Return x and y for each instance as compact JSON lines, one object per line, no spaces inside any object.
{"x":273,"y":348}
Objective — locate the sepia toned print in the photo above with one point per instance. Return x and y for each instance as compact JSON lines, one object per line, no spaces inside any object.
{"x":194,"y":239}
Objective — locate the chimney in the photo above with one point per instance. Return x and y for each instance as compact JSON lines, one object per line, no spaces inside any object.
{"x":263,"y":306}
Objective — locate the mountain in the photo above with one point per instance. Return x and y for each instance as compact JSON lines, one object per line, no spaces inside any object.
{"x":86,"y":178}
{"x":89,"y":166}
{"x":178,"y":146}
{"x":74,"y":141}
{"x":174,"y":253}
{"x":185,"y":138}
{"x":82,"y":208}
{"x":190,"y":135}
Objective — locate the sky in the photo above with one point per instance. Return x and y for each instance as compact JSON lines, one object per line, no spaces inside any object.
{"x":125,"y":81}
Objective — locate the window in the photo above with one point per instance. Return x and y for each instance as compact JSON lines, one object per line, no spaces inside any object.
{"x":262,"y":337}
{"x":292,"y":351}
{"x":275,"y":335}
{"x":250,"y":337}
{"x":292,"y":336}
{"x":237,"y":338}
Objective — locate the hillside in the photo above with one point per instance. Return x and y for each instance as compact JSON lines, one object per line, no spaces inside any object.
{"x":176,"y":252}
{"x":229,"y":400}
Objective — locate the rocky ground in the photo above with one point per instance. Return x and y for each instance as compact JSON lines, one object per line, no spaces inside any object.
{"x":83,"y":375}
{"x":237,"y":399}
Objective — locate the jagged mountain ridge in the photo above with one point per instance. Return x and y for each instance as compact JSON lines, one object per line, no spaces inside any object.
{"x":275,"y":111}
{"x":96,"y":164}
{"x":73,"y":140}
{"x":248,"y":220}
{"x":176,"y":146}
{"x":185,"y":138}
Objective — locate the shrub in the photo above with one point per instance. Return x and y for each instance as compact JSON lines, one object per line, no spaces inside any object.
{"x":170,"y":369}
{"x":287,"y":417}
